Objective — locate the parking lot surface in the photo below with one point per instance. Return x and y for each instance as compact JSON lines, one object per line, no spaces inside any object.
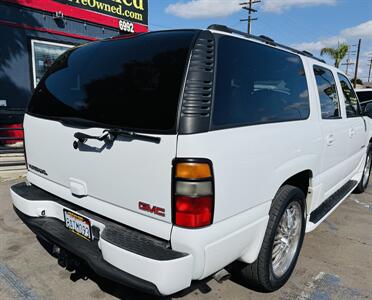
{"x":335,"y":263}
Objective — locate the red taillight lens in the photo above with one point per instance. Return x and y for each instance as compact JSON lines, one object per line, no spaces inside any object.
{"x":194,"y":212}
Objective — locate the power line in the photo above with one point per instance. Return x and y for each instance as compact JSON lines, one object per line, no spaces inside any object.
{"x":248,"y":6}
{"x":348,"y":62}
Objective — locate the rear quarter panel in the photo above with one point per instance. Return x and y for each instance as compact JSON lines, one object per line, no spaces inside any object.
{"x":251,"y":163}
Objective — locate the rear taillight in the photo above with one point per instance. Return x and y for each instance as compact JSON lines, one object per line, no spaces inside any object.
{"x":193,"y":193}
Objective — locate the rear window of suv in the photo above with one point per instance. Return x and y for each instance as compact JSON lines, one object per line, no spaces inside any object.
{"x":132,"y":83}
{"x":258,"y":84}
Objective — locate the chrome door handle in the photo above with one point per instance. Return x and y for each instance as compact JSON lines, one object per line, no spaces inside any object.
{"x":330,"y":139}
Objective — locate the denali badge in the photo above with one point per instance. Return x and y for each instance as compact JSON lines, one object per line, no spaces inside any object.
{"x":151,"y":209}
{"x":36,"y":169}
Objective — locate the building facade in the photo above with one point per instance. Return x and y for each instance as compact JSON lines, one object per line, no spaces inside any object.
{"x":35,"y":32}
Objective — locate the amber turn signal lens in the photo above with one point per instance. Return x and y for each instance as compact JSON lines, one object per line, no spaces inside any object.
{"x":193,"y":170}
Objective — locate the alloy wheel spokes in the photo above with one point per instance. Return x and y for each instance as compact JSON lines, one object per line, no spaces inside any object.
{"x":366,"y":170}
{"x":286,"y":239}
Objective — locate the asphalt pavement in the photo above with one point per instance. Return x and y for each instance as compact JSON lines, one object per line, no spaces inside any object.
{"x":335,"y":263}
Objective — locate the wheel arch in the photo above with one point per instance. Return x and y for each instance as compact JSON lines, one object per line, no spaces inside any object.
{"x":303,"y":181}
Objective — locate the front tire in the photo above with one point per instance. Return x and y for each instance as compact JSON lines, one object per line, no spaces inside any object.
{"x":363,"y":183}
{"x":282,"y":242}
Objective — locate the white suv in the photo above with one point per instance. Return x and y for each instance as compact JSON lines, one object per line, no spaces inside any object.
{"x":161,"y":158}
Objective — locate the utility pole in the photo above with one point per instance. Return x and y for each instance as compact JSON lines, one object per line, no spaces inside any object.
{"x":370,"y":67}
{"x":248,"y":6}
{"x":347,"y":64}
{"x":348,"y":60}
{"x":357,"y":63}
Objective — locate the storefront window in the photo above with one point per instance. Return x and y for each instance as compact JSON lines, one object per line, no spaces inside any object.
{"x":43,"y":56}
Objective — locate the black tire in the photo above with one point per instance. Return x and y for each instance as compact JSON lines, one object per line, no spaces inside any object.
{"x":260,"y":275}
{"x":363,"y":183}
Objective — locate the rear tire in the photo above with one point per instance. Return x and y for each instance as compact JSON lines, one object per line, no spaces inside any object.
{"x":363,"y":183}
{"x":271,"y":271}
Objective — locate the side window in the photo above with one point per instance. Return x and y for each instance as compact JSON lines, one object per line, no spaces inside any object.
{"x":258,"y":84}
{"x":351,"y":100}
{"x":329,"y":101}
{"x":364,"y":95}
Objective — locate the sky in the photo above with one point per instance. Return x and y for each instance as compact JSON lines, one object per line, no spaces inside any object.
{"x":304,"y":24}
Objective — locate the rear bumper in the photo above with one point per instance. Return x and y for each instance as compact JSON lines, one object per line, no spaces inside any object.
{"x":54,"y":232}
{"x":118,"y":253}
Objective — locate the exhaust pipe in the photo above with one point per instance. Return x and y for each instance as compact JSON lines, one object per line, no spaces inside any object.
{"x":221,"y":276}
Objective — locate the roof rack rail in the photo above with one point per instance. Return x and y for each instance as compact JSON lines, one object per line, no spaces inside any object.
{"x":267,"y":38}
{"x":261,"y":38}
{"x":307,"y":53}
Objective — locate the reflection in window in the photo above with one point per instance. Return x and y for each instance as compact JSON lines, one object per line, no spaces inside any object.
{"x":257,"y":84}
{"x":43,"y":56}
{"x":351,"y":100}
{"x":327,"y":90}
{"x":364,"y":95}
{"x":123,"y":82}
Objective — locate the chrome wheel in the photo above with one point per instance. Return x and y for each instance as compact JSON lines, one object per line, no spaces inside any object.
{"x":367,"y":170}
{"x":286,"y":239}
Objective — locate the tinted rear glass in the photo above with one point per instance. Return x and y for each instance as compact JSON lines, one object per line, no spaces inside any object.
{"x":327,"y":90}
{"x":351,"y":99}
{"x":364,"y":95}
{"x":258,"y":84}
{"x":131,"y":83}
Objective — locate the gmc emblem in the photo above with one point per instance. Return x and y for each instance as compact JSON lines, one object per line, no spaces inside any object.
{"x":152,"y":209}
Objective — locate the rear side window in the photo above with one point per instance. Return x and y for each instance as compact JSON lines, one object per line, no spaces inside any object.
{"x":328,"y":97}
{"x":131,"y":83}
{"x":351,"y":100}
{"x":258,"y":84}
{"x":364,"y":96}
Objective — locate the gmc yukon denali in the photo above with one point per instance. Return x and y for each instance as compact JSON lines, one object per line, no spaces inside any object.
{"x":163,"y":158}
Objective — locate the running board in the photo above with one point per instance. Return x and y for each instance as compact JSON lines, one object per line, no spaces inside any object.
{"x":332,"y":201}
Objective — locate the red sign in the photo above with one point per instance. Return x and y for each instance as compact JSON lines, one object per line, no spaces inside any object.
{"x":81,"y":13}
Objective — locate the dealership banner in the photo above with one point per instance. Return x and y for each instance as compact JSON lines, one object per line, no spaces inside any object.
{"x":131,"y":10}
{"x":126,"y":15}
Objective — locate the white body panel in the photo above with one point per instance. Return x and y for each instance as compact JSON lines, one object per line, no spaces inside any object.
{"x":250,"y":174}
{"x":216,"y":246}
{"x":121,"y":215}
{"x":119,"y":177}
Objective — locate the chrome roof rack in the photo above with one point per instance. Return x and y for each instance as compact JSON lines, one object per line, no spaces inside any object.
{"x":261,"y":38}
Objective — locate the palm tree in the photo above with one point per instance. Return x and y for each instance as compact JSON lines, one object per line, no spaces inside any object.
{"x":337,"y":54}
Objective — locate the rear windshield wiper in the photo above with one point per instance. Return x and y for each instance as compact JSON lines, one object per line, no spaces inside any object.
{"x":110,"y":135}
{"x":132,"y":135}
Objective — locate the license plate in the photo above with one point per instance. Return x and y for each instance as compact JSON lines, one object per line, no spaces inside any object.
{"x":78,"y":224}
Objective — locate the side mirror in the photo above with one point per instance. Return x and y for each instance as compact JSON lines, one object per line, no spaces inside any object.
{"x":368,"y":110}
